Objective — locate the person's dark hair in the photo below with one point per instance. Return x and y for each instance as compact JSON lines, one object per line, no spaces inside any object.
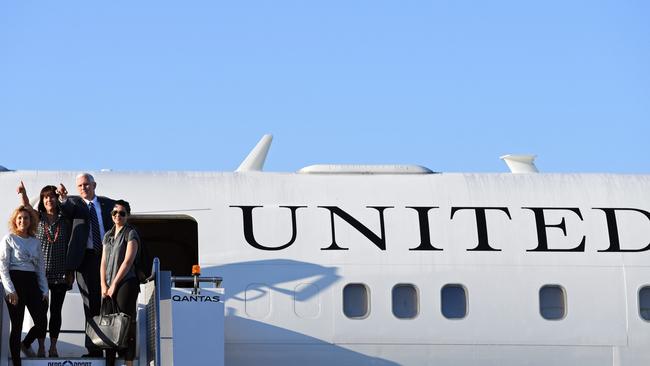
{"x":124,"y":204}
{"x":45,"y":191}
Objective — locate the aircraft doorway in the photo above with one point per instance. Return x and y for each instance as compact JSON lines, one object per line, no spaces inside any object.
{"x":172,"y":238}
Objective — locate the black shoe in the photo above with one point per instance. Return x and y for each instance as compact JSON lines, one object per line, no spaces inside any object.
{"x":96,"y":354}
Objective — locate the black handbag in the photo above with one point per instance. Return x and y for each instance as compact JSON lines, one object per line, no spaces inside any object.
{"x":109,"y":329}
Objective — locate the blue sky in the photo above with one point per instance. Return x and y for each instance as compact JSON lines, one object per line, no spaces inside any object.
{"x":451,"y":85}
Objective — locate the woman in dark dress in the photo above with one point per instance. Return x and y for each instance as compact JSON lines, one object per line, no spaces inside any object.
{"x":53,"y":232}
{"x":117,"y":274}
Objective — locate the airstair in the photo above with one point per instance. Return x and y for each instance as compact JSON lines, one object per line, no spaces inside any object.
{"x":176,"y":325}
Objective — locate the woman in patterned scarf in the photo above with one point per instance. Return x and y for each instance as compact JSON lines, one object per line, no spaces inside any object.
{"x":54,"y":233}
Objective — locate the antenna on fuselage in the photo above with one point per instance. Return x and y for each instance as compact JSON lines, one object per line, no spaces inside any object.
{"x":520,"y":163}
{"x":254,"y":162}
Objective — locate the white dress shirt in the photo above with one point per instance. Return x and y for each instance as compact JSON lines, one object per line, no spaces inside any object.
{"x":98,"y":210}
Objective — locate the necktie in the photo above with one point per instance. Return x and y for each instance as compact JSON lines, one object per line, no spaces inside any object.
{"x":94,"y":227}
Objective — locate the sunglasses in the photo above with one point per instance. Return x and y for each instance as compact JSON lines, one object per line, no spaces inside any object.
{"x":116,"y":212}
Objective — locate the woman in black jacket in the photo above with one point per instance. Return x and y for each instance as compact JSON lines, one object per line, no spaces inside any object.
{"x":53,"y":232}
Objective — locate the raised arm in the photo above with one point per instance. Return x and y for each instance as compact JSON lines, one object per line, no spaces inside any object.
{"x":22,"y":192}
{"x":63,"y":193}
{"x":67,"y":207}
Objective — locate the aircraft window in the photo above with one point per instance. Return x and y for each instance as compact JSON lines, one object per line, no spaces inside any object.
{"x":453,"y":300}
{"x":405,"y":301}
{"x":644,"y":302}
{"x":306,"y":301}
{"x":552,"y":302}
{"x":356,"y":302}
{"x":258,"y":300}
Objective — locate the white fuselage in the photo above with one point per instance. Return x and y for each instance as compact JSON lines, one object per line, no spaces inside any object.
{"x":288,"y":244}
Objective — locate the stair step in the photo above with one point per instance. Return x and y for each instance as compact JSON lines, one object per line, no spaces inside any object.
{"x":78,"y":361}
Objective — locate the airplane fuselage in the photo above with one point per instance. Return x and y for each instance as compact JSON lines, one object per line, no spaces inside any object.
{"x":406,"y":269}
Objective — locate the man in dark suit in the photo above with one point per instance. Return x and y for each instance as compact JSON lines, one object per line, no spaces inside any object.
{"x":91,"y":218}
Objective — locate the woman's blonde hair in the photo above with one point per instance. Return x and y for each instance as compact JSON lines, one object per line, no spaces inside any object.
{"x":33,"y":220}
